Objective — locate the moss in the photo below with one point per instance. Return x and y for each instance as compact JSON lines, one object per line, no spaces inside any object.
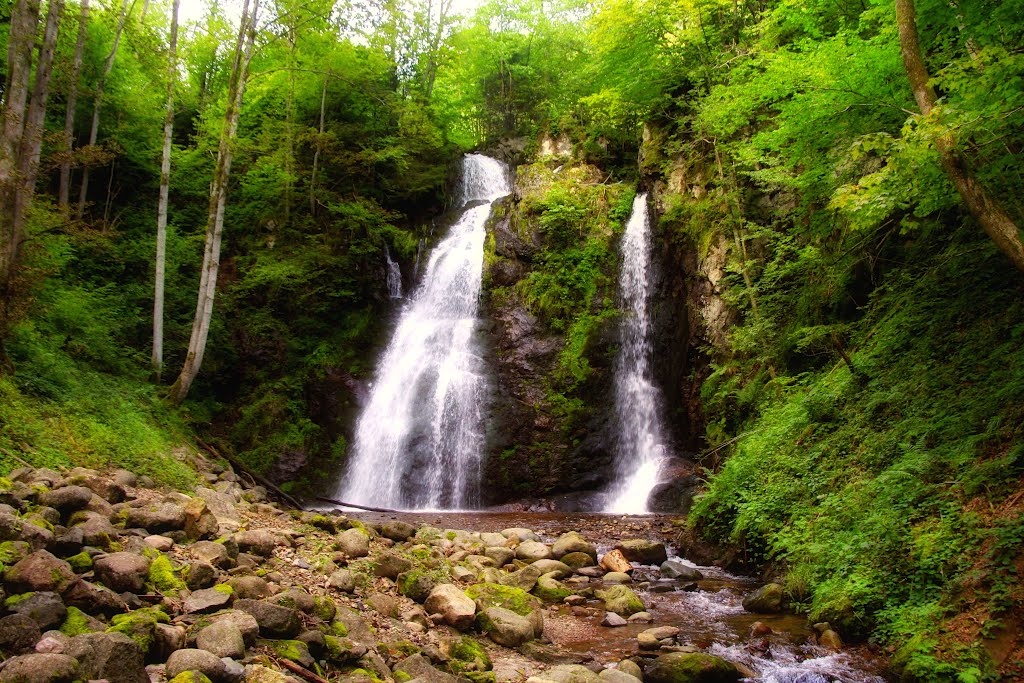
{"x":402,"y":677}
{"x":324,"y":608}
{"x":480,"y":676}
{"x":81,"y":563}
{"x":6,"y":485}
{"x":550,"y":590}
{"x":495,"y":595}
{"x":190,"y":677}
{"x":39,"y":522}
{"x":368,"y":674}
{"x":75,"y":623}
{"x":163,"y":577}
{"x":12,"y":552}
{"x":13,"y":600}
{"x":224,"y":588}
{"x":466,"y":654}
{"x":139,"y":625}
{"x":294,"y":650}
{"x":339,"y":629}
{"x":399,"y":649}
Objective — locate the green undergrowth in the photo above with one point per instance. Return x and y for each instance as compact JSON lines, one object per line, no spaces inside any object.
{"x":878,"y":488}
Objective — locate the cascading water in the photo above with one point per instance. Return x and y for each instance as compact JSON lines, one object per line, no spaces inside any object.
{"x":640,"y":449}
{"x":394,"y":279}
{"x":419,"y":439}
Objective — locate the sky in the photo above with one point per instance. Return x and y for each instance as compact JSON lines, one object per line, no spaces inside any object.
{"x":193,"y":10}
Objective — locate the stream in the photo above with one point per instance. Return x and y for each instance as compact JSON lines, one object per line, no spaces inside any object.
{"x":709,"y":615}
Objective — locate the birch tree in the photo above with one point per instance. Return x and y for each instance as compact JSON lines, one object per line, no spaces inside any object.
{"x":218,"y":198}
{"x":161,"y":212}
{"x":64,"y":190}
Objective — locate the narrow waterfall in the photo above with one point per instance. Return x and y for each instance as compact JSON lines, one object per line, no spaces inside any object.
{"x":394,"y":280}
{"x":419,"y":439}
{"x":640,"y":449}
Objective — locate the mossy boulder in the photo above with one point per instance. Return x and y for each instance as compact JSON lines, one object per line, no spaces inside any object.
{"x":508,"y":597}
{"x":341,"y":650}
{"x":416,"y":584}
{"x":505,"y":627}
{"x":191,"y":677}
{"x":621,"y":600}
{"x":465,"y":654}
{"x":80,"y":563}
{"x":293,"y":650}
{"x":163,"y":578}
{"x":549,"y":589}
{"x":139,"y":625}
{"x":767,"y":599}
{"x":691,"y":667}
{"x":77,"y":622}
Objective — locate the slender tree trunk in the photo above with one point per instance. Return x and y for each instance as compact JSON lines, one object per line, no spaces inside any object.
{"x":994,"y":220}
{"x":24,"y":20}
{"x":69,"y":114}
{"x":161,"y":211}
{"x":97,"y":105}
{"x":218,"y":197}
{"x":316,"y":154}
{"x":32,"y":137}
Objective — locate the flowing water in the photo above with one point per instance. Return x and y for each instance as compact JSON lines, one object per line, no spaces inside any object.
{"x":419,"y":439}
{"x":640,"y":450}
{"x":394,"y":279}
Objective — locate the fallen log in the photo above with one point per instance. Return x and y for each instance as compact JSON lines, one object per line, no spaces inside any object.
{"x":353,"y":505}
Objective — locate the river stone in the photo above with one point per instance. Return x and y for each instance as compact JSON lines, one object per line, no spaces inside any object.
{"x":296,"y":598}
{"x":550,"y":589}
{"x":222,"y":638}
{"x":354,"y":543}
{"x":53,"y":642}
{"x":641,"y":618}
{"x":493,"y":540}
{"x":455,"y":606}
{"x":524,"y":579}
{"x":617,"y":577}
{"x":275,"y":621}
{"x":157,"y":517}
{"x":66,"y":499}
{"x":249,"y":587}
{"x":621,"y":600}
{"x":39,"y":571}
{"x":206,"y":600}
{"x":830,"y":639}
{"x":419,"y":668}
{"x":616,"y":676}
{"x":531,"y":551}
{"x":548,"y":566}
{"x":643,"y":552}
{"x":39,"y":668}
{"x":342,"y":580}
{"x":18,"y":634}
{"x":765,"y":600}
{"x":500,"y":554}
{"x":212,"y":553}
{"x":520,"y":534}
{"x":390,"y":565}
{"x":578,"y":560}
{"x":572,"y":542}
{"x":674,"y":569}
{"x":167,"y":638}
{"x":257,"y":542}
{"x":614,"y":561}
{"x":122,"y":572}
{"x":243,"y":621}
{"x":505,"y":627}
{"x":45,"y":608}
{"x":415,"y":585}
{"x":161,"y":543}
{"x":200,"y":522}
{"x":397,"y":531}
{"x":611,"y":619}
{"x":90,"y":597}
{"x":96,"y":530}
{"x":571,"y":673}
{"x":632,"y":668}
{"x":200,"y":574}
{"x":652,"y":637}
{"x":202,"y":661}
{"x":691,"y":667}
{"x":113,"y":656}
{"x":224,"y":508}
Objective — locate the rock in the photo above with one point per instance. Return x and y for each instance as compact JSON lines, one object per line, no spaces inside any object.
{"x":390,"y":565}
{"x":765,"y":600}
{"x":161,"y":543}
{"x":611,"y":619}
{"x":415,"y":585}
{"x":549,"y":654}
{"x":275,"y":621}
{"x":550,"y":589}
{"x":354,"y":625}
{"x":691,"y":667}
{"x":53,"y":642}
{"x":505,"y":627}
{"x":759,"y":629}
{"x":256,"y":541}
{"x":643,"y":552}
{"x":354,"y":543}
{"x":674,"y":569}
{"x":45,"y":608}
{"x":202,"y":661}
{"x":617,"y":577}
{"x":122,"y":572}
{"x":641,"y":618}
{"x":500,"y":555}
{"x":208,"y":599}
{"x":397,"y":531}
{"x":342,"y":580}
{"x":200,"y":522}
{"x":199,"y":574}
{"x":249,"y":587}
{"x":167,"y":638}
{"x":92,"y":598}
{"x":621,"y":600}
{"x":572,"y":542}
{"x":571,"y":673}
{"x":39,"y":571}
{"x":111,"y":656}
{"x":652,"y":638}
{"x":257,"y":673}
{"x":96,"y":530}
{"x":614,"y":561}
{"x":548,"y":566}
{"x":531,"y":551}
{"x":632,"y":668}
{"x":616,"y":676}
{"x":520,"y":534}
{"x":224,"y":508}
{"x":19,"y":634}
{"x":243,"y":621}
{"x":234,"y":672}
{"x":125,"y":478}
{"x":384,"y":604}
{"x":524,"y":579}
{"x":157,"y":517}
{"x":831,"y":640}
{"x":222,"y":638}
{"x":39,"y":668}
{"x":66,"y":499}
{"x":463,"y":653}
{"x":578,"y":560}
{"x":296,"y":598}
{"x":212,"y":553}
{"x":418,"y":668}
{"x":455,"y":606}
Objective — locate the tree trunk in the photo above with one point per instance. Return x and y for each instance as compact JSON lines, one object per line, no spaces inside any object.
{"x":69,"y":115}
{"x":316,"y":154}
{"x":24,"y":19}
{"x":215,"y":214}
{"x":161,"y":212}
{"x":32,"y":137}
{"x":994,"y":220}
{"x":98,"y":105}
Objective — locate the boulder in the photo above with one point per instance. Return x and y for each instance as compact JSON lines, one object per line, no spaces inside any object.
{"x":200,"y":522}
{"x":652,"y":638}
{"x":66,"y":499}
{"x":520,"y":534}
{"x":621,"y":600}
{"x":243,"y":621}
{"x":549,"y":589}
{"x":523,"y":579}
{"x":92,"y":598}
{"x":455,"y":606}
{"x":615,"y":561}
{"x":156,"y":517}
{"x":275,"y":621}
{"x":296,"y":598}
{"x":354,"y":543}
{"x":578,"y":560}
{"x":617,"y":577}
{"x":208,"y":599}
{"x":122,"y":572}
{"x":548,"y":566}
{"x":415,"y":585}
{"x":505,"y":627}
{"x":674,"y":569}
{"x":111,"y":656}
{"x":419,"y":668}
{"x":643,"y":552}
{"x":632,"y":668}
{"x":45,"y":608}
{"x":212,"y":553}
{"x":616,"y":676}
{"x":611,"y":619}
{"x":223,"y":638}
{"x":202,"y":661}
{"x":39,"y":668}
{"x":257,"y":542}
{"x":18,"y":634}
{"x":691,"y":667}
{"x":342,"y":580}
{"x":249,"y":587}
{"x":531,"y":551}
{"x":571,"y":673}
{"x":397,"y":531}
{"x":39,"y":571}
{"x":765,"y":600}
{"x":572,"y":542}
{"x":390,"y":565}
{"x":500,"y":554}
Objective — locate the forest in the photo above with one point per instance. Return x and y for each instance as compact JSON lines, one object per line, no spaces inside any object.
{"x":199,"y":203}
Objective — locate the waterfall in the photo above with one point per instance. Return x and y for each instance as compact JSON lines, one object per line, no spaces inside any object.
{"x":640,"y":448}
{"x":394,"y":280}
{"x":419,"y":439}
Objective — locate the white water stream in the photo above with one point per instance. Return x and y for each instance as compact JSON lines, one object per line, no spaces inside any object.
{"x":640,"y":448}
{"x":394,"y":277}
{"x":420,"y":437}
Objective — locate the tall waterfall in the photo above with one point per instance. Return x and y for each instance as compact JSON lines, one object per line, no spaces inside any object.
{"x":419,"y":439}
{"x":394,"y":278}
{"x":640,"y":450}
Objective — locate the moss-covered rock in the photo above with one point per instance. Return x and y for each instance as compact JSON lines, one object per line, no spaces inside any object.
{"x":691,"y":667}
{"x":81,"y":563}
{"x":621,"y":600}
{"x":76,"y":623}
{"x":293,"y":650}
{"x":495,"y":595}
{"x":139,"y":625}
{"x":465,"y":654}
{"x":416,"y":584}
{"x":190,"y":677}
{"x":163,"y":578}
{"x":549,"y":589}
